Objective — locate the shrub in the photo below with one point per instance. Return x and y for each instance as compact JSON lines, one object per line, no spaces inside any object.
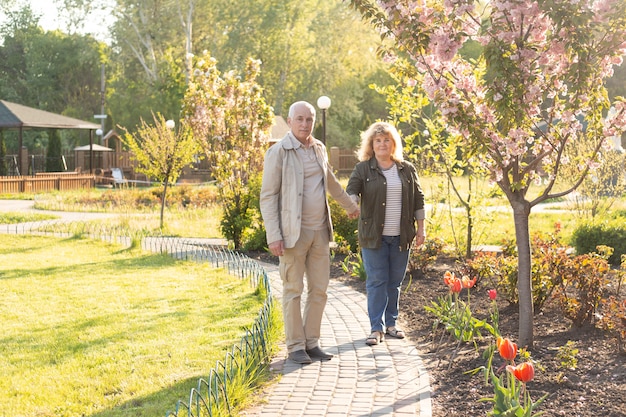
{"x":426,"y":255}
{"x":580,"y":290}
{"x":255,"y":239}
{"x":240,"y":210}
{"x":613,"y":320}
{"x":550,"y":259}
{"x":254,"y":236}
{"x":345,"y":229}
{"x":499,"y":270}
{"x":588,"y":236}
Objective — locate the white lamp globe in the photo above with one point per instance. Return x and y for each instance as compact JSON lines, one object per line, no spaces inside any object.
{"x":323,"y":102}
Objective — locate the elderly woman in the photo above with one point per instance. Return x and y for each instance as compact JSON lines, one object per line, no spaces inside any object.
{"x":392,"y":202}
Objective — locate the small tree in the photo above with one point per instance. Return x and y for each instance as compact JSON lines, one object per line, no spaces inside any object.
{"x":231,"y":122}
{"x":54,"y":162}
{"x":603,"y":187}
{"x":161,"y":151}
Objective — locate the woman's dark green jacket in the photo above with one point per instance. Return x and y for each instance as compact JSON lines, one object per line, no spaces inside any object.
{"x":370,"y":185}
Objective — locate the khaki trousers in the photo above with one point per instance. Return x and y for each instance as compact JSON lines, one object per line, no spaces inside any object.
{"x":310,"y":255}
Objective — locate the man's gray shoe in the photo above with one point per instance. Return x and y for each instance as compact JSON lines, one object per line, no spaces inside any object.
{"x":300,"y":356}
{"x":317,"y":353}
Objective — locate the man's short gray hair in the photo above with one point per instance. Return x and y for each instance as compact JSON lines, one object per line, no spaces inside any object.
{"x":299,"y":103}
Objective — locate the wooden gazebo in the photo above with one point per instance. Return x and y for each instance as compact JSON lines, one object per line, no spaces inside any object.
{"x":17,"y":116}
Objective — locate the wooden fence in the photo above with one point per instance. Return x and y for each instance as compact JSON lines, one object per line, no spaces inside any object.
{"x":46,"y":182}
{"x":343,"y":160}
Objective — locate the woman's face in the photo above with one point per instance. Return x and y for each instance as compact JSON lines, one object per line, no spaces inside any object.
{"x":383,"y":146}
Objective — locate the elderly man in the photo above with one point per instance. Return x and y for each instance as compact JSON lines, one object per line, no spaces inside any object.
{"x":296,"y":181}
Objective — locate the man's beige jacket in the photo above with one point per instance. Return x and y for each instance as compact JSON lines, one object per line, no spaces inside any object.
{"x":282,"y":188}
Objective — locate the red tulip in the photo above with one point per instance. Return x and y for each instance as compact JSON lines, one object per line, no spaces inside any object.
{"x":492,"y":294}
{"x":467,"y":282}
{"x":452,"y":282}
{"x":507,"y":349}
{"x":523,"y":372}
{"x":456,"y":286}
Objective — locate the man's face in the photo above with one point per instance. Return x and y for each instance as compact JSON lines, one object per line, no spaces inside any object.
{"x":301,"y":123}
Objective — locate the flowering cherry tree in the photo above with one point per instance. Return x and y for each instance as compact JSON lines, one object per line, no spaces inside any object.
{"x":534,"y":94}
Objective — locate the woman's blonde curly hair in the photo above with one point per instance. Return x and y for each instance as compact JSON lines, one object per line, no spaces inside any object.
{"x":366,"y":149}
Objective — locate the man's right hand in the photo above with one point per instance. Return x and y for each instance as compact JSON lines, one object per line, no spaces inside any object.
{"x":277,"y":248}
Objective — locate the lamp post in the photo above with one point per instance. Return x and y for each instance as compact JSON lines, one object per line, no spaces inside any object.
{"x":323,"y":103}
{"x":101,"y":117}
{"x":101,"y":141}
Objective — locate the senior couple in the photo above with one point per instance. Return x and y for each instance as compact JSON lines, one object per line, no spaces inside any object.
{"x":383,"y":192}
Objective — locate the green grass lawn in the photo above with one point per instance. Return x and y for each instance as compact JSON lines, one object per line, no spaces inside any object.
{"x":91,"y":329}
{"x":14,"y":218}
{"x":189,"y":212}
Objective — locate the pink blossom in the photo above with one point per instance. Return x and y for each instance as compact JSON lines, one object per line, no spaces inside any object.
{"x":540,"y":54}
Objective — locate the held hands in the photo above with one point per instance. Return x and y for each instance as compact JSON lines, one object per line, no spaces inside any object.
{"x":354,"y":214}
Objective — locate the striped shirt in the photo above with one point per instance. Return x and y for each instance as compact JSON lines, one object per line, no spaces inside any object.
{"x":393,"y":206}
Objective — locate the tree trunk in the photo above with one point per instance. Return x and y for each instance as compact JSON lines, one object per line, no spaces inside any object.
{"x":521,"y":213}
{"x":163,"y":203}
{"x":470,"y":229}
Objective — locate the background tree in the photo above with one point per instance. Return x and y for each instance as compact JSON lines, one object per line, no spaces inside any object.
{"x":54,"y":156}
{"x":162,"y":151}
{"x":151,"y":41}
{"x":3,"y":154}
{"x":307,"y":49}
{"x":543,"y":63}
{"x":231,"y":121}
{"x":601,"y":188}
{"x":50,"y":71}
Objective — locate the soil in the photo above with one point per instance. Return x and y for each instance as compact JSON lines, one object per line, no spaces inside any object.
{"x":595,"y":386}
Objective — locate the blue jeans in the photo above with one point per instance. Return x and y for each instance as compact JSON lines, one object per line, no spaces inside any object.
{"x":385,"y":268}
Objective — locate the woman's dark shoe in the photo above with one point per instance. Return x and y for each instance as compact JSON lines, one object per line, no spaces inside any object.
{"x":300,"y":356}
{"x":317,"y":353}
